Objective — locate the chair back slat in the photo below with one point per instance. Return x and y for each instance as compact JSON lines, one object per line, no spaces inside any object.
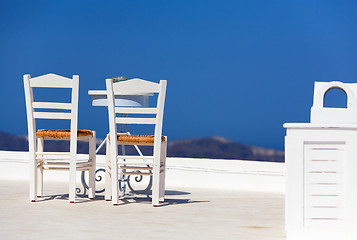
{"x":128,"y":120}
{"x":52,"y":105}
{"x":51,"y":115}
{"x":134,"y":86}
{"x":136,"y":110}
{"x":157,"y":160}
{"x":51,"y":81}
{"x":69,"y":110}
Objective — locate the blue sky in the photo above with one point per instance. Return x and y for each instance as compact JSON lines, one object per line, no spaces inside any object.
{"x":237,"y":69}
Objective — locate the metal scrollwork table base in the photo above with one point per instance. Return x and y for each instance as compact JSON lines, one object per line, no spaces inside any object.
{"x":99,"y":98}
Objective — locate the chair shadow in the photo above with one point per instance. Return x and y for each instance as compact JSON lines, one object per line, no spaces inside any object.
{"x":130,"y":198}
{"x":143,"y":199}
{"x":79,"y":198}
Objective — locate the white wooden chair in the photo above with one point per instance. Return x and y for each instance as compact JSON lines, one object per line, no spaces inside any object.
{"x":134,"y":165}
{"x":40,"y":160}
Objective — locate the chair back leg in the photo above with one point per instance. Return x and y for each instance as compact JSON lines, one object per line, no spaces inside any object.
{"x":40,"y":147}
{"x":92,"y":157}
{"x":162,"y":172}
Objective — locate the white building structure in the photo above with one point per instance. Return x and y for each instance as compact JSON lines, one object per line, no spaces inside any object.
{"x":321,"y":170}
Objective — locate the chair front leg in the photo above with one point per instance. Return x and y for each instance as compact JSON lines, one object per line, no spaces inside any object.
{"x":108,"y":180}
{"x":114,"y":176}
{"x":39,"y":178}
{"x":72,"y":178}
{"x":155,"y":185}
{"x":92,"y":157}
{"x":33,"y":174}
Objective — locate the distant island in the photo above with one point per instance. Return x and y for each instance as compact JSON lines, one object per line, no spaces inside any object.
{"x":208,"y":147}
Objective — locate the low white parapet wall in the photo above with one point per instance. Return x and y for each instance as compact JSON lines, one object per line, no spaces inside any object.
{"x":235,"y":175}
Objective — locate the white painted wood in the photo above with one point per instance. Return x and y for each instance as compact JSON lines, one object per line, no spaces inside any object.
{"x":157,"y":161}
{"x":92,"y":158}
{"x":40,"y":146}
{"x":113,"y":142}
{"x":108,"y":183}
{"x":52,"y":105}
{"x":31,"y":137}
{"x":136,"y":168}
{"x":135,"y":144}
{"x":66,"y":169}
{"x":128,"y":157}
{"x":138,"y":173}
{"x":52,"y":115}
{"x":129,"y":120}
{"x":40,"y":160}
{"x":136,"y":162}
{"x":163,"y":169}
{"x":51,"y":81}
{"x":135,"y":85}
{"x":81,"y":138}
{"x":321,"y":167}
{"x":52,"y":153}
{"x":104,"y":92}
{"x":44,"y":157}
{"x":136,"y":110}
{"x":73,"y":139}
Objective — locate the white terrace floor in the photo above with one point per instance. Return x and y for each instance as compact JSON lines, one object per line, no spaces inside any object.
{"x":205,"y":199}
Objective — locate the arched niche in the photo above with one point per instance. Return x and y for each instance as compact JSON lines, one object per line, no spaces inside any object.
{"x":335,"y":97}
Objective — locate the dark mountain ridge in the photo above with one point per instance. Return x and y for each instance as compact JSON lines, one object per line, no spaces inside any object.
{"x":209,"y":147}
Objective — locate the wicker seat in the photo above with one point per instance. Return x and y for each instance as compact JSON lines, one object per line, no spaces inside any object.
{"x":136,"y":139}
{"x":60,"y":110}
{"x":120,"y":165}
{"x":62,"y":133}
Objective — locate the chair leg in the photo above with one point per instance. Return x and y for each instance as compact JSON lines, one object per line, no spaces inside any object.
{"x":155,"y":186}
{"x":92,"y":157}
{"x":114,"y":176}
{"x":156,"y":183}
{"x":33,"y":177}
{"x":72,"y":178}
{"x":40,"y":148}
{"x":108,"y":182}
{"x":162,"y":172}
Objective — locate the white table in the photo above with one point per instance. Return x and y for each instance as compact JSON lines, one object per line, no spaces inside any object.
{"x":99,"y":98}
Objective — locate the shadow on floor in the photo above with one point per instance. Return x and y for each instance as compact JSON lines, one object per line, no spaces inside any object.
{"x":130,"y":198}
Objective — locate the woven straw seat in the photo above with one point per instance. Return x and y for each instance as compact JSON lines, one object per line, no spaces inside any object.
{"x":119,"y":166}
{"x":62,"y":133}
{"x":65,"y":111}
{"x":137,"y":138}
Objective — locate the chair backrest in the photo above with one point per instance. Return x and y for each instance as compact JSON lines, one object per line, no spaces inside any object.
{"x":322,"y":114}
{"x":69,"y":110}
{"x":136,"y":87}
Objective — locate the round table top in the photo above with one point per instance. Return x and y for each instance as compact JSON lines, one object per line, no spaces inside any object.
{"x":99,"y":98}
